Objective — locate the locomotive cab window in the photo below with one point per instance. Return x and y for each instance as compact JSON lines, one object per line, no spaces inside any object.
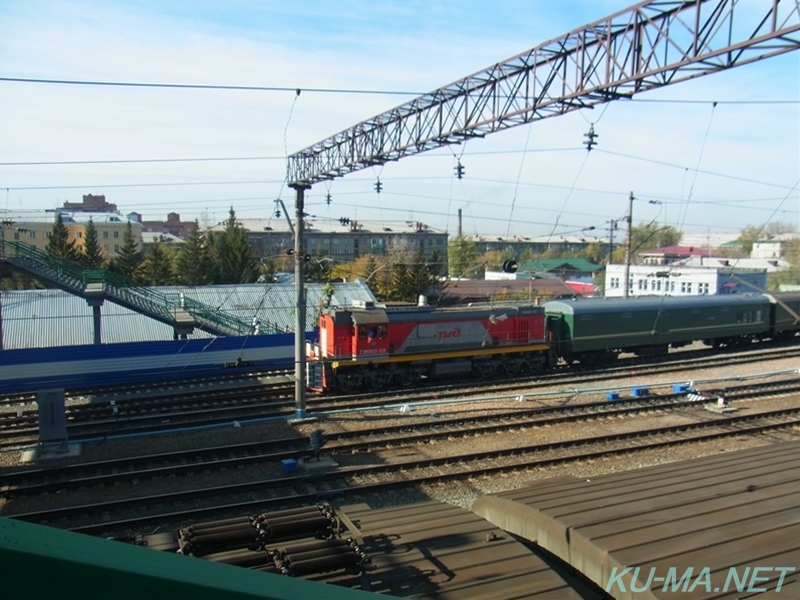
{"x":382,"y":331}
{"x":362,"y":332}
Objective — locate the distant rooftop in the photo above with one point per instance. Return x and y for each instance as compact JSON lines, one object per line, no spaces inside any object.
{"x":314,"y":225}
{"x":48,"y":217}
{"x":676,"y":251}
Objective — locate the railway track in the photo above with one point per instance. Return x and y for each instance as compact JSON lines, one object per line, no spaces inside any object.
{"x":113,"y":472}
{"x":149,"y":415}
{"x":266,"y":401}
{"x":288,"y":491}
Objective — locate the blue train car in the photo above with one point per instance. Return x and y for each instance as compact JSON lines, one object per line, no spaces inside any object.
{"x":74,"y":367}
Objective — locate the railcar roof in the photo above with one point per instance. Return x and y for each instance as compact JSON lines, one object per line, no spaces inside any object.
{"x":650,"y":303}
{"x":431,"y":313}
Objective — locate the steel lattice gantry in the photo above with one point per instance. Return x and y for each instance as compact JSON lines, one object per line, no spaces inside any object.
{"x":650,"y":45}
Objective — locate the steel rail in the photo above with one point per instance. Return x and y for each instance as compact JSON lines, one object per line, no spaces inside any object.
{"x":73,"y":476}
{"x":319,"y":485}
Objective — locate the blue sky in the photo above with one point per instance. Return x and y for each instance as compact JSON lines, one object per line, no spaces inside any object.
{"x":713,"y":169}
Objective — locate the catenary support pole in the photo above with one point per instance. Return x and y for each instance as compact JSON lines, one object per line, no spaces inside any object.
{"x":300,"y":305}
{"x":629,"y":219}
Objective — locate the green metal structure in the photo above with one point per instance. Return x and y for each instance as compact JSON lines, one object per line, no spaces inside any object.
{"x":101,"y":283}
{"x":38,"y":562}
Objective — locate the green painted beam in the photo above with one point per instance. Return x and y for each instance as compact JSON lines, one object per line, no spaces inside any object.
{"x":41,"y":562}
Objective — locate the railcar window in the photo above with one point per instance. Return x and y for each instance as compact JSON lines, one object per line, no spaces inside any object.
{"x":759,"y":316}
{"x":362,"y":332}
{"x":382,"y":332}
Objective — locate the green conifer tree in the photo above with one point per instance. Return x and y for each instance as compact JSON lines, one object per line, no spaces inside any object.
{"x":59,"y":244}
{"x":129,"y":257}
{"x":193,"y":264}
{"x":234,"y":255}
{"x":92,"y":255}
{"x":156,"y":267}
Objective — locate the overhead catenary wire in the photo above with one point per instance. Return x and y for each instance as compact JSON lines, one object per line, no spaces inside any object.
{"x":315,"y":90}
{"x":699,"y":159}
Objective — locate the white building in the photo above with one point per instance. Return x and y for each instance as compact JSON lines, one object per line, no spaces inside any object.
{"x":656,"y":280}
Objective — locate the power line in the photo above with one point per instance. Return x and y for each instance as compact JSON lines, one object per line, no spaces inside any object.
{"x":635,"y":99}
{"x":666,"y":164}
{"x":265,"y":88}
{"x":136,"y":160}
{"x":125,"y":185}
{"x":223,"y":158}
{"x":202,"y":86}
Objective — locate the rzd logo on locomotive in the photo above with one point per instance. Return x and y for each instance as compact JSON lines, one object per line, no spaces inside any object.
{"x":453,"y":333}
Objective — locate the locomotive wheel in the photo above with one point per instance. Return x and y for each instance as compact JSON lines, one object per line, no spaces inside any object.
{"x":375,"y":380}
{"x":346,"y":383}
{"x":512,"y":367}
{"x":407,"y":378}
{"x":486,"y":369}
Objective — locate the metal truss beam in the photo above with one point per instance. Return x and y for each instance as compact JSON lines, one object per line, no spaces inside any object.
{"x":647,"y":46}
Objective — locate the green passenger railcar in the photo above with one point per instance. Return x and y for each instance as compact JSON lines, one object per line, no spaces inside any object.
{"x":785,"y":320}
{"x":597,"y":330}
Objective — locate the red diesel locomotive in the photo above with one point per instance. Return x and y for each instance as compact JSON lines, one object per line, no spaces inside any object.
{"x":374,"y":346}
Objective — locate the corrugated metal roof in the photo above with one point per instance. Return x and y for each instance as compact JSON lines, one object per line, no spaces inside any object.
{"x":436,"y":550}
{"x":729,"y":514}
{"x":49,"y":318}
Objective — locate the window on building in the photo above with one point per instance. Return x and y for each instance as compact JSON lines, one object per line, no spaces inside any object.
{"x":16,"y":235}
{"x":116,"y":234}
{"x":657,"y":285}
{"x":643,"y":284}
{"x":702,"y":288}
{"x":32,"y":235}
{"x":79,"y":234}
{"x":689,"y":288}
{"x":105,"y":234}
{"x":683,"y":287}
{"x":116,"y":247}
